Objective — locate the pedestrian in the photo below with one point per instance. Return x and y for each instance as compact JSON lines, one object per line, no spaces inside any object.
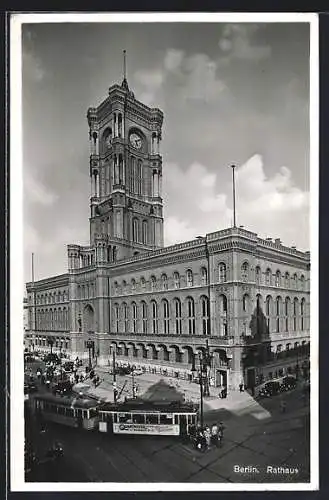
{"x":241,"y":386}
{"x":220,"y":433}
{"x":207,"y":435}
{"x":214,"y":434}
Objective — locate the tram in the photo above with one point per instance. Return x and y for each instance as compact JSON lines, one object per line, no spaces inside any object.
{"x":148,"y":418}
{"x":68,"y":410}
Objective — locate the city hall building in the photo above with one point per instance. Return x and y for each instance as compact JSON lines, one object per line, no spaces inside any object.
{"x":243,"y":298}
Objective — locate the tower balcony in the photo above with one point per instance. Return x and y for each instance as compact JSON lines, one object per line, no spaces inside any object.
{"x":118,"y":140}
{"x":155,"y":157}
{"x":118,"y":187}
{"x":157,"y":200}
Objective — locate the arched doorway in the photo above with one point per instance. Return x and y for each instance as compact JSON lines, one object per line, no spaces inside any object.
{"x":88,"y":319}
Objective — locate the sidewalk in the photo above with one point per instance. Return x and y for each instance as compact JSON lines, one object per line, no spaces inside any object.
{"x":239,"y":403}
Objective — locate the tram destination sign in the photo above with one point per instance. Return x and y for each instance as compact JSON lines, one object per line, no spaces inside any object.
{"x":155,"y":429}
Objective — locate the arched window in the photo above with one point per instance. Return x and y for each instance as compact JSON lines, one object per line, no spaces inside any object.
{"x":135,"y":230}
{"x":295,"y":313}
{"x":153,"y":282}
{"x":133,"y":285}
{"x":278,"y":313}
{"x":302,"y":282}
{"x":124,"y":286}
{"x":287,"y":312}
{"x":204,"y":279}
{"x":139,"y":176}
{"x":222,"y":272}
{"x":245,"y":271}
{"x":134,"y":311}
{"x":164,"y":281}
{"x":268,"y":277}
{"x":176,"y":280}
{"x":132,"y":174}
{"x":294,"y":281}
{"x":143,"y":283}
{"x":302,"y":313}
{"x":144,"y":231}
{"x":191,"y":316}
{"x":116,"y":318}
{"x":178,"y":316}
{"x":278,"y":279}
{"x":125,"y":316}
{"x":268,"y":310}
{"x":258,"y":275}
{"x":154,"y":309}
{"x":223,"y":315}
{"x":120,"y":125}
{"x":245,"y":303}
{"x":165,"y":305}
{"x":144,"y":317}
{"x":189,"y":278}
{"x":287,"y":280}
{"x":205,"y":315}
{"x":116,"y":288}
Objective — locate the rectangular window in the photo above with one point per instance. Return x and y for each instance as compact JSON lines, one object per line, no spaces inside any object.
{"x":138,"y":418}
{"x":166,"y":419}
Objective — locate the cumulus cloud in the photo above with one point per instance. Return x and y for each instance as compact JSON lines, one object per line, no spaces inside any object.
{"x":270,"y":206}
{"x":173,"y":59}
{"x":201,"y":82}
{"x":196,"y":77}
{"x":238,"y":42}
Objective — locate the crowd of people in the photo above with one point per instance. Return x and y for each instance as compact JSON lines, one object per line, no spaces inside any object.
{"x":203,"y":438}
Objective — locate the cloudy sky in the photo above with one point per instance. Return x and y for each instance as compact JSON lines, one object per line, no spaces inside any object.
{"x":231,"y":93}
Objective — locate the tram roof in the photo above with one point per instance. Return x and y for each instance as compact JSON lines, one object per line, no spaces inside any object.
{"x":151,"y":406}
{"x":74,"y":401}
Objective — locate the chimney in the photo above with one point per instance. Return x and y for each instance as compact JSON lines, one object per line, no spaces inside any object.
{"x":277,"y":241}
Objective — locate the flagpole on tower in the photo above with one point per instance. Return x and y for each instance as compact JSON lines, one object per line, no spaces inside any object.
{"x":124,"y":66}
{"x":32,"y":266}
{"x":233,"y":183}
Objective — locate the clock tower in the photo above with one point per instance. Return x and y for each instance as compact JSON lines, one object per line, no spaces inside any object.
{"x":126,"y":211}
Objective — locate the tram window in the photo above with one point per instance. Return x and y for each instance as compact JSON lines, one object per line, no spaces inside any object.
{"x":61,"y":410}
{"x":69,"y":412}
{"x":138,"y":418}
{"x":166,"y":419}
{"x":115,"y":418}
{"x":92,"y":412}
{"x":152,"y":419}
{"x":124,"y":418}
{"x":78,"y":413}
{"x":176,"y":419}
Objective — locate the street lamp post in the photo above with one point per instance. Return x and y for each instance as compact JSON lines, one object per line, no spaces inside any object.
{"x":115,"y":391}
{"x":205,"y":363}
{"x":89,"y":346}
{"x":133,"y":383}
{"x":51,"y":343}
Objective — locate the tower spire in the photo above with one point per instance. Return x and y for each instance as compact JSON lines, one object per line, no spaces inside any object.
{"x":124,"y":81}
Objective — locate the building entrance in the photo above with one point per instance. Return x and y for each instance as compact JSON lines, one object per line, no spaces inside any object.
{"x":221,"y":378}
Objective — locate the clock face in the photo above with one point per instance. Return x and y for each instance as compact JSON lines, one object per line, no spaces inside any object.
{"x":135,"y":140}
